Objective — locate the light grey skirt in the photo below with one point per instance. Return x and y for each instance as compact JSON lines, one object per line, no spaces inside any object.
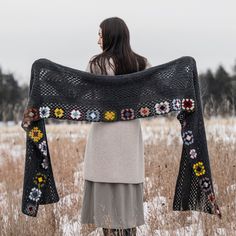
{"x":112,"y":205}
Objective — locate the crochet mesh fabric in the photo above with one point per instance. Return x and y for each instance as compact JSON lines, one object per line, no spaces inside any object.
{"x":60,"y":92}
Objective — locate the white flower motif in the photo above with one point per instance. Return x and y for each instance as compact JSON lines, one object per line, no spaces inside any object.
{"x":205,"y":184}
{"x":193,"y":153}
{"x":43,"y":147}
{"x":75,"y":114}
{"x":162,"y":107}
{"x":35,"y":194}
{"x":45,"y":163}
{"x":44,"y":112}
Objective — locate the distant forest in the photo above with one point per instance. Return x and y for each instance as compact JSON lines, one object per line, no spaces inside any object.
{"x":218,"y":93}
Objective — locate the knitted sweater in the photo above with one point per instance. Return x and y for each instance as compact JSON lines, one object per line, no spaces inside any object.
{"x":60,"y":92}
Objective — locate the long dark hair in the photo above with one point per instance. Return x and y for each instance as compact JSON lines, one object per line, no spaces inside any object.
{"x":116,"y":45}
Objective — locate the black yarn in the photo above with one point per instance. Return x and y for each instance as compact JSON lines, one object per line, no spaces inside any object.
{"x":60,"y":92}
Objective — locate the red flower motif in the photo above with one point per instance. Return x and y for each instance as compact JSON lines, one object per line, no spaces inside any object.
{"x":144,"y":111}
{"x":188,"y":104}
{"x":211,"y":197}
{"x":216,"y":208}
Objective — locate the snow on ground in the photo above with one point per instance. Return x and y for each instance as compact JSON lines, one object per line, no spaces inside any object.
{"x":151,"y":133}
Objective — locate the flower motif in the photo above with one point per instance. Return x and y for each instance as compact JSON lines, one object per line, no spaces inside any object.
{"x":35,"y":194}
{"x":31,"y":209}
{"x":75,"y":114}
{"x":59,"y":112}
{"x":193,"y":153}
{"x":43,"y":147}
{"x":25,"y":124}
{"x":188,"y":137}
{"x":40,"y":180}
{"x":44,"y":112}
{"x":187,"y":68}
{"x":44,"y":164}
{"x":205,"y":184}
{"x":162,"y":107}
{"x":36,"y":134}
{"x":31,"y":113}
{"x":144,"y":111}
{"x":188,"y":104}
{"x":199,"y":168}
{"x":127,"y":114}
{"x":211,"y":197}
{"x":92,"y":115}
{"x":110,"y":115}
{"x":176,"y":104}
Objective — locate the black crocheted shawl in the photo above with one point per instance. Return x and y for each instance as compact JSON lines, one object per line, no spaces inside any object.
{"x":60,"y":92}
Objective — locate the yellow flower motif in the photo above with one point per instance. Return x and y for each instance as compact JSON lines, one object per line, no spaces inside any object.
{"x":59,"y":112}
{"x":109,"y":115}
{"x":36,"y":134}
{"x":199,"y":168}
{"x":40,"y":180}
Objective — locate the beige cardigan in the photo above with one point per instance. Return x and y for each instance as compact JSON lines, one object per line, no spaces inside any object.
{"x":114,"y":152}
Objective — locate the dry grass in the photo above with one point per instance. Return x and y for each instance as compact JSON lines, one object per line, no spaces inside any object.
{"x":162,"y":157}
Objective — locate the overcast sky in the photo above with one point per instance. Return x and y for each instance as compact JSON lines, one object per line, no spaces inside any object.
{"x":66,"y":31}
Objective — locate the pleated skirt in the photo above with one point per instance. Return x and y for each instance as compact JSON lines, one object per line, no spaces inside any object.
{"x":112,"y":205}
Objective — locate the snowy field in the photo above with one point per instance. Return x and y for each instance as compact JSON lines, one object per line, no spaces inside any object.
{"x":163,"y":146}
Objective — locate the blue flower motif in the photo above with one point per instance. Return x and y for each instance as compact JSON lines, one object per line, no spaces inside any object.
{"x":35,"y":194}
{"x":188,"y":137}
{"x":93,"y":115}
{"x":176,"y":104}
{"x":127,"y":114}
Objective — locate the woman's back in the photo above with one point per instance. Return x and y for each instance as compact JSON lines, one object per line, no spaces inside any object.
{"x":114,"y":151}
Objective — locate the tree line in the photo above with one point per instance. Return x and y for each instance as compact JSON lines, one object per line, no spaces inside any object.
{"x":218,"y":94}
{"x":13,"y":98}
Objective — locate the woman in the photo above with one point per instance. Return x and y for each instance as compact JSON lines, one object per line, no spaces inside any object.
{"x":114,"y":155}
